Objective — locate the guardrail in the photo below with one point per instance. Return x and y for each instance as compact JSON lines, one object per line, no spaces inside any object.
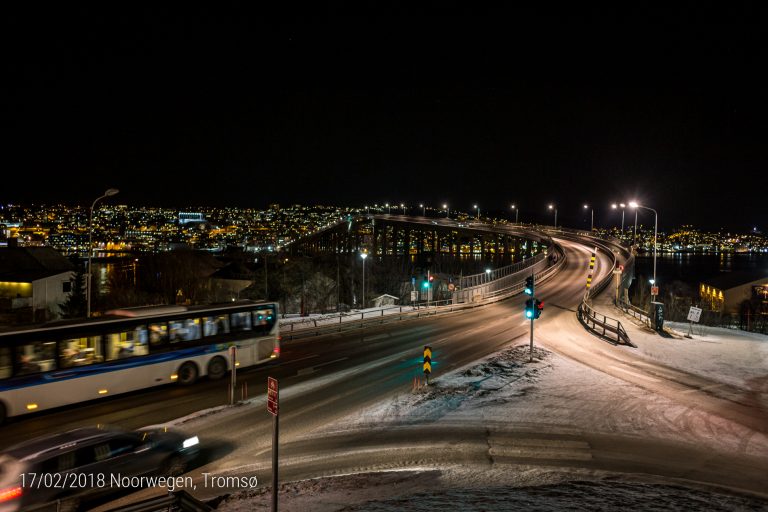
{"x":418,"y":311}
{"x":604,"y":326}
{"x":635,"y":311}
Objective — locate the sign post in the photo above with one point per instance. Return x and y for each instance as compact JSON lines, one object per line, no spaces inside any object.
{"x":233,"y":376}
{"x":273,"y":408}
{"x":427,"y":362}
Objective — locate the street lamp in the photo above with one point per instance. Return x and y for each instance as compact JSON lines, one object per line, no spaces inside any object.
{"x":634,"y":233}
{"x":487,"y":275}
{"x":592,"y":224}
{"x":423,"y":211}
{"x":552,"y":207}
{"x":478,"y":212}
{"x":389,"y":208}
{"x":447,"y":211}
{"x":634,"y":204}
{"x":622,"y":205}
{"x":363,"y":255}
{"x":517,"y":211}
{"x":109,"y":192}
{"x":403,"y":207}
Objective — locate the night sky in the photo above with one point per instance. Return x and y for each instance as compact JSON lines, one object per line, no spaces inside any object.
{"x":243,"y":107}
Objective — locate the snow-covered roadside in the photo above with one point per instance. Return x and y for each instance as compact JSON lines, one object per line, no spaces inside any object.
{"x":730,"y":356}
{"x":552,"y":395}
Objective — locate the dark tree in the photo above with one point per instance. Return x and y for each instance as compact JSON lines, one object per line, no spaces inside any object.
{"x":76,"y":303}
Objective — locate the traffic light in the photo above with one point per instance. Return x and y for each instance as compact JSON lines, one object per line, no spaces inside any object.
{"x":539,"y":307}
{"x":529,"y":309}
{"x":425,"y":284}
{"x":529,"y":285}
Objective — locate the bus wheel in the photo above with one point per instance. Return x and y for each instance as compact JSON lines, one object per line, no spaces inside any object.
{"x":217,"y":368}
{"x":187,"y":373}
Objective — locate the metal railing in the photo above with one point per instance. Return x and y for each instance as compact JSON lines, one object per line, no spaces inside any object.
{"x":635,"y":311}
{"x":604,"y":326}
{"x":420,"y":310}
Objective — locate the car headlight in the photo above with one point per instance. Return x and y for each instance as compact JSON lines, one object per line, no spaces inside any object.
{"x":192,"y":441}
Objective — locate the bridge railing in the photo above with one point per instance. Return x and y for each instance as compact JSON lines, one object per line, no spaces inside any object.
{"x":400,"y":313}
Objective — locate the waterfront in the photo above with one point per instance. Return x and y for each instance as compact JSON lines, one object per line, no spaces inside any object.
{"x":692,"y":268}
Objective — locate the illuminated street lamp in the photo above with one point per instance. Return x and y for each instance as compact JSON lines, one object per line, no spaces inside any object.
{"x":478,"y":212}
{"x":389,"y":208}
{"x":634,"y":204}
{"x":592,"y":224}
{"x":622,"y":205}
{"x":363,"y":255}
{"x":447,"y":211}
{"x":109,"y":192}
{"x":552,"y":207}
{"x":403,"y":207}
{"x":488,"y":275}
{"x":517,"y":211}
{"x":423,"y":210}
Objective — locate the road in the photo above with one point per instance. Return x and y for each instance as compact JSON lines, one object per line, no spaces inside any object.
{"x":326,"y":378}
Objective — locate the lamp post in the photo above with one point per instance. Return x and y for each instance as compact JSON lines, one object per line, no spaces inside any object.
{"x":478,"y":212}
{"x":634,"y":204}
{"x":634,"y":233}
{"x":552,"y":207}
{"x":447,"y":211}
{"x":363,"y":255}
{"x":487,"y":275}
{"x":622,"y":205}
{"x":403,"y":207}
{"x":592,"y":222}
{"x":517,"y":211}
{"x":423,"y":210}
{"x":389,"y":208}
{"x":109,"y":192}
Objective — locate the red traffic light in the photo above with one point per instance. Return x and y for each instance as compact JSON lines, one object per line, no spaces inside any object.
{"x":431,"y":278}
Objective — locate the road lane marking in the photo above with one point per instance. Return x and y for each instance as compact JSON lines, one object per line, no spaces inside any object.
{"x":313,"y":369}
{"x":303,"y":358}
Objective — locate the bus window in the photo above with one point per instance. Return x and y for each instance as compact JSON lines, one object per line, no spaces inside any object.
{"x":5,"y":362}
{"x":80,"y":351}
{"x":241,"y":321}
{"x":263,"y":320}
{"x":185,"y":330}
{"x":158,"y":333}
{"x":36,"y":357}
{"x":127,"y":343}
{"x":213,"y":325}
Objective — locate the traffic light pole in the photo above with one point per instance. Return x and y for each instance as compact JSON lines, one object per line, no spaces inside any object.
{"x":531,"y":360}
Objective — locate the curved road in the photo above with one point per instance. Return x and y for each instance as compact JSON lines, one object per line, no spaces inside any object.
{"x":326,"y":378}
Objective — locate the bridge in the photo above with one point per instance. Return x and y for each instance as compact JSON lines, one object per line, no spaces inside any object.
{"x":510,"y":252}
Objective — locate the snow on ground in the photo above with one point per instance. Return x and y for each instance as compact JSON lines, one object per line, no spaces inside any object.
{"x":730,"y":356}
{"x":552,"y":394}
{"x":295,"y":321}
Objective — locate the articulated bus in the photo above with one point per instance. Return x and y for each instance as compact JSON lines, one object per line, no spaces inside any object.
{"x":49,"y":366}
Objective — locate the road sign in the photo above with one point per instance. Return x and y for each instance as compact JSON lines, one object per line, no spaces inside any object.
{"x":654,"y":290}
{"x":272,"y":396}
{"x":427,"y":359}
{"x":694,"y":314}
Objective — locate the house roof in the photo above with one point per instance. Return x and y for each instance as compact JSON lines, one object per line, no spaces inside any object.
{"x":386,"y":295}
{"x":28,"y":264}
{"x":733,"y":279}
